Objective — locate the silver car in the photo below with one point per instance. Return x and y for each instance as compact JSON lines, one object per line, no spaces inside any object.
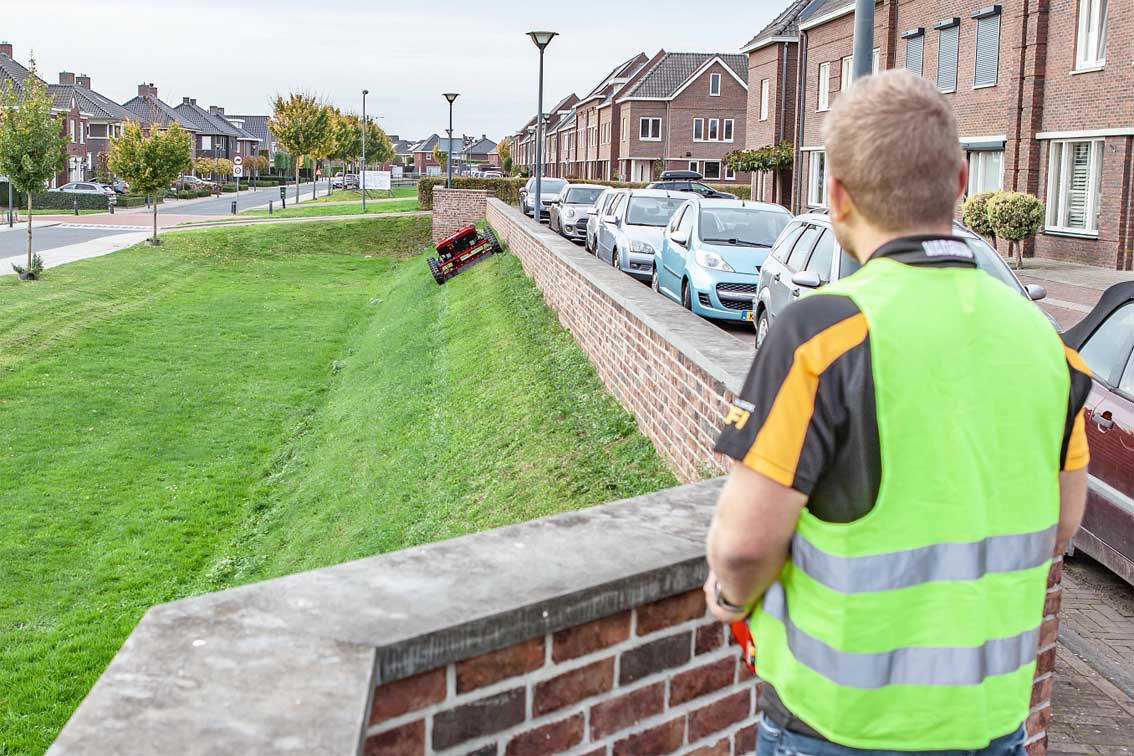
{"x":88,"y":187}
{"x":568,"y":214}
{"x":630,"y":231}
{"x":550,"y":188}
{"x":594,"y":217}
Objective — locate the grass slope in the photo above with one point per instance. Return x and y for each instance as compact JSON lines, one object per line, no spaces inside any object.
{"x":345,"y":195}
{"x":247,"y":402}
{"x":312,"y":209}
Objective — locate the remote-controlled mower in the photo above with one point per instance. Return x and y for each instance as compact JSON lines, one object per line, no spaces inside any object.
{"x":460,"y":251}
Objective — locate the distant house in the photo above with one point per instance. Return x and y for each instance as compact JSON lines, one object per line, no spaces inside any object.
{"x":403,"y":151}
{"x":153,"y":113}
{"x":102,"y":118}
{"x":257,"y":126}
{"x":480,"y":152}
{"x":424,"y":163}
{"x":216,"y":137}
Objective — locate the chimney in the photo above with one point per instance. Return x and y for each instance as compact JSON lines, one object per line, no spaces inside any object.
{"x":6,"y":48}
{"x":66,"y":78}
{"x":83,"y":81}
{"x":147,"y":90}
{"x":186,"y":101}
{"x":215,"y":110}
{"x":192,"y":100}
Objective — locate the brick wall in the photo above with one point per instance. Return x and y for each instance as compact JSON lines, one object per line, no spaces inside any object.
{"x":676,"y":373}
{"x":656,"y":679}
{"x":454,"y":208}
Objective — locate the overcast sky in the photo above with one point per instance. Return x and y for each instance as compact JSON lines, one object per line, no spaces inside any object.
{"x":406,"y":53}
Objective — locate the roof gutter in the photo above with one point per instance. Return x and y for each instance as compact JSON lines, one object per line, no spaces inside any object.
{"x":820,"y":20}
{"x":754,"y":46}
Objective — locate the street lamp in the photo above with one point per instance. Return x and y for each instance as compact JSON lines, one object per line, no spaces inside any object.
{"x":363,"y":168}
{"x":450,"y":96}
{"x":541,"y":39}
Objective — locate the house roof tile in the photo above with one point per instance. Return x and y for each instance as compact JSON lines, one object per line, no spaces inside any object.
{"x":150,"y":110}
{"x":784,"y":25}
{"x":674,"y":69}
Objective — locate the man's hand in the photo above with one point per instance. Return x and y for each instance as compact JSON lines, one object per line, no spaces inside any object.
{"x":727,"y":616}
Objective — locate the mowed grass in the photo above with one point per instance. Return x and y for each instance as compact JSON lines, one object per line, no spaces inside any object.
{"x":314,"y":209}
{"x":346,"y":195}
{"x":247,"y":402}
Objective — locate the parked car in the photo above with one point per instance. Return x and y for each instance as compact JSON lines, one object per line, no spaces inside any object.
{"x":350,"y":181}
{"x":550,"y":189}
{"x":337,"y":181}
{"x":119,"y":186}
{"x":630,"y":232}
{"x":493,"y":174}
{"x":568,"y":214}
{"x":87,"y":187}
{"x":688,"y":181}
{"x":712,"y":252}
{"x":594,"y":216}
{"x":806,"y":256}
{"x":1105,"y":340}
{"x":193,"y":182}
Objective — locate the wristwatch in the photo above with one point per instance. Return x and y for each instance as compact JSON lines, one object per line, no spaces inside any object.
{"x":724,"y":603}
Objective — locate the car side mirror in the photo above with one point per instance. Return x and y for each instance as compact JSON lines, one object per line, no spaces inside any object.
{"x":680,"y":238}
{"x":1035,"y":292}
{"x":806,"y":279}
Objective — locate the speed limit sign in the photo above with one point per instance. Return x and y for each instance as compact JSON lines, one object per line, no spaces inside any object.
{"x":238,"y":171}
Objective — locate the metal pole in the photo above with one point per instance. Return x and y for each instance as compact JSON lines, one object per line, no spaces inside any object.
{"x":863,"y":38}
{"x":362,"y":168}
{"x":449,"y":152}
{"x":538,"y":204}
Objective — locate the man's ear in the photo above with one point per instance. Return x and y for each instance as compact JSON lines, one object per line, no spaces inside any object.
{"x":839,"y":202}
{"x":964,"y":179}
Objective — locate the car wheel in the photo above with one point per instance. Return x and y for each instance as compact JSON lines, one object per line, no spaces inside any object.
{"x":686,"y":296}
{"x":762,"y":326}
{"x":614,"y":259}
{"x":654,"y":283}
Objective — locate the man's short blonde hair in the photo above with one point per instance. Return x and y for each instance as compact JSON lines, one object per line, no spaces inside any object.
{"x":891,"y":140}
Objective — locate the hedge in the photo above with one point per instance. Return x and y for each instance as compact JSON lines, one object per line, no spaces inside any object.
{"x":508,"y":189}
{"x":134,"y":200}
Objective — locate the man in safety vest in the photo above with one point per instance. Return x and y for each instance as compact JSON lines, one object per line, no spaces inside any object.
{"x":910,"y":450}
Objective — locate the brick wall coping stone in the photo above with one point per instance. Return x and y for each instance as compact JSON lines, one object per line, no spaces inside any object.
{"x":720,"y":355}
{"x":289,"y":665}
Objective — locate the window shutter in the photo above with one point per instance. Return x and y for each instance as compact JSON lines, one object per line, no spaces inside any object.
{"x":915,"y":51}
{"x":948,"y":42}
{"x":987,"y":51}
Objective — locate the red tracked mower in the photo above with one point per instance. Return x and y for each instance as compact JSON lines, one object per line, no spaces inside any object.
{"x":462,"y":250}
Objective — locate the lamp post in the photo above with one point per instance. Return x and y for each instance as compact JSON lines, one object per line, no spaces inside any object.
{"x":450,"y":96}
{"x":362,"y":183}
{"x":863,"y":62}
{"x":541,"y":39}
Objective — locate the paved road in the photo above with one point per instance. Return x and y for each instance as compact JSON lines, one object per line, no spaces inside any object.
{"x":15,"y":242}
{"x":222,"y":205}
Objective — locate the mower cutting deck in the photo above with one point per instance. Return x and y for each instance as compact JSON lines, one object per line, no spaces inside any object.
{"x":462,"y":250}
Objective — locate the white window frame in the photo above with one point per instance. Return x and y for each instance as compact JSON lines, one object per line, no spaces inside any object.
{"x":714,"y":85}
{"x":728,"y":130}
{"x":694,"y":166}
{"x":875,"y":59}
{"x":765,"y":88}
{"x":729,"y":173}
{"x":713,"y":132}
{"x":817,"y":179}
{"x":720,"y":170}
{"x":847,"y":74}
{"x":698,"y":122}
{"x":824,"y":88}
{"x":650,"y":130}
{"x":975,"y":159}
{"x":1057,"y":196}
{"x":1090,"y":47}
{"x":206,"y":142}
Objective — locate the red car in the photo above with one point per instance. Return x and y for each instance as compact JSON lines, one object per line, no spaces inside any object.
{"x":1105,"y":339}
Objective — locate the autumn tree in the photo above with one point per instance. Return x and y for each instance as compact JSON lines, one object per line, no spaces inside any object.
{"x":303,"y":126}
{"x":504,"y":150}
{"x":31,"y":143}
{"x":379,"y":148}
{"x":440,"y":157}
{"x":151,"y":163}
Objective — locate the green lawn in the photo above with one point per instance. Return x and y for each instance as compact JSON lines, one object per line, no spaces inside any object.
{"x":246,"y":402}
{"x":314,"y":209}
{"x":345,"y":195}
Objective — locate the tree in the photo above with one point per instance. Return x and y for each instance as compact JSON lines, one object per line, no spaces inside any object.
{"x":507,"y":165}
{"x":975,"y":215}
{"x":205,"y":165}
{"x":31,"y":142}
{"x":102,"y":168}
{"x":771,"y":158}
{"x":346,"y":137}
{"x":439,"y":157}
{"x":282,"y":161}
{"x":302,"y":125}
{"x":151,"y":163}
{"x":1015,"y":216}
{"x":504,"y":151}
{"x":379,"y":148}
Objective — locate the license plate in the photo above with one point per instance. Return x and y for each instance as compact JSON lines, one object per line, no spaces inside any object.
{"x":748,"y":316}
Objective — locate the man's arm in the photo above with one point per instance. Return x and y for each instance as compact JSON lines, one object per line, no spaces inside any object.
{"x":750,"y":535}
{"x":1072,"y":503}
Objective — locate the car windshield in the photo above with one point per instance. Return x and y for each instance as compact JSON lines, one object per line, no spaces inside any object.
{"x":990,"y":261}
{"x":550,"y":186}
{"x":651,"y":211}
{"x":742,"y":226}
{"x":582,"y":196}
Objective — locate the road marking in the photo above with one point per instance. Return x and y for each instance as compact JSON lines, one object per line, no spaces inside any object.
{"x":103,"y":227}
{"x":1065,"y":305}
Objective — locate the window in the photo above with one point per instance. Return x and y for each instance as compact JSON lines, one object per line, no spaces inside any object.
{"x":817,"y":179}
{"x":948,"y":41}
{"x":649,"y":129}
{"x":729,"y":173}
{"x":764,"y":87}
{"x":206,"y":142}
{"x":875,"y":59}
{"x":1108,"y":348}
{"x":1073,"y":186}
{"x":986,"y":171}
{"x":714,"y":85}
{"x":847,"y":74}
{"x":698,"y":129}
{"x":712,"y":170}
{"x":987,"y":50}
{"x":726,"y":130}
{"x":693,"y":166}
{"x":915,"y":51}
{"x":824,"y":86}
{"x":675,"y":221}
{"x":1091,"y":46}
{"x":783,"y":246}
{"x":802,"y":248}
{"x":821,"y":259}
{"x":714,"y":129}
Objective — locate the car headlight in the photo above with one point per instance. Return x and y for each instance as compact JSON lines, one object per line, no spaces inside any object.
{"x":713,"y":261}
{"x":642,"y":247}
{"x":568,"y":213}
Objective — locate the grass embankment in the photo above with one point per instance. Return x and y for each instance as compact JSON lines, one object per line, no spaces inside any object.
{"x":314,"y":209}
{"x":247,"y":402}
{"x":346,"y":195}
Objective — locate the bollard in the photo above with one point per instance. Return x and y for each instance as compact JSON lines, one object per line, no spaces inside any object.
{"x":269,"y":207}
{"x":234,"y":207}
{"x":110,"y":204}
{"x":76,"y":204}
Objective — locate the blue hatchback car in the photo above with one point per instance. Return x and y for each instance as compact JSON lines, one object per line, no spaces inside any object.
{"x":711,"y":254}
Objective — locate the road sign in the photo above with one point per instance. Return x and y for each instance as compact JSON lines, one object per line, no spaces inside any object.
{"x":237,"y":171}
{"x":238,"y":160}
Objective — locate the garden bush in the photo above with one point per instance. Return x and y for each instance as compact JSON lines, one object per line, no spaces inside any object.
{"x":974,"y":213}
{"x":134,"y":200}
{"x":1015,"y":216}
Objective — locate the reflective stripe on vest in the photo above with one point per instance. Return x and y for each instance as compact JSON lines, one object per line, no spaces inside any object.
{"x":958,"y":665}
{"x":939,"y":561}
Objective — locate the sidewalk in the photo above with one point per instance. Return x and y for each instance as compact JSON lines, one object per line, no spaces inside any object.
{"x":80,"y":251}
{"x":1072,"y":289}
{"x":1089,"y":714}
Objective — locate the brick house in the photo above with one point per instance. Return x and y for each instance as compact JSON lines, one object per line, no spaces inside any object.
{"x":247,"y":143}
{"x":556,"y":121}
{"x":257,"y":126}
{"x":597,"y":148}
{"x":1020,"y":107}
{"x":153,"y":113}
{"x":686,"y":110}
{"x":216,"y":137}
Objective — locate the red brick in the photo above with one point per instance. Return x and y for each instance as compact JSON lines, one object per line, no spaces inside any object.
{"x":1049,"y":632}
{"x":500,"y":665}
{"x":1055,"y":574}
{"x":1045,"y":662}
{"x":662,"y":739}
{"x":671,"y":611}
{"x":720,"y":748}
{"x":549,"y":739}
{"x":719,"y":714}
{"x":709,"y":638}
{"x":743,"y":673}
{"x":407,"y":740}
{"x":410,"y":694}
{"x":745,"y":740}
{"x":697,"y":682}
{"x":597,"y":752}
{"x":1041,"y":691}
{"x":1038,"y":747}
{"x":626,"y":710}
{"x":1052,"y":603}
{"x":653,"y":657}
{"x":593,"y":636}
{"x":1039,"y":720}
{"x":574,"y":686}
{"x":478,"y":718}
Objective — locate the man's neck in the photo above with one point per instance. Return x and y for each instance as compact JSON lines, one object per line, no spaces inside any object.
{"x":870,"y":241}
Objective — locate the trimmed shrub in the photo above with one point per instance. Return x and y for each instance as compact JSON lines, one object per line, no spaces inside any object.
{"x":66,"y":201}
{"x":134,"y":200}
{"x":974,"y":213}
{"x":1015,"y":216}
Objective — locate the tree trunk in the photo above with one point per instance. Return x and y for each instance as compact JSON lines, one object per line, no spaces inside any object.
{"x":29,"y":230}
{"x":297,"y":162}
{"x":154,"y":240}
{"x":1019,"y":255}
